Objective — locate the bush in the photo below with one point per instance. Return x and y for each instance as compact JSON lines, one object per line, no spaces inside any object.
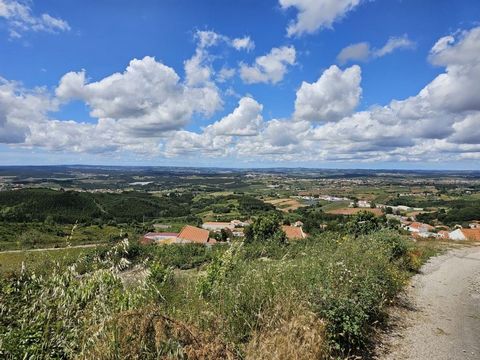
{"x":347,"y":282}
{"x":315,"y":298}
{"x":266,"y":228}
{"x":363,"y":223}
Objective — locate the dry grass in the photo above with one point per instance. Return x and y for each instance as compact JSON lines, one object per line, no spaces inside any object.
{"x":285,"y":204}
{"x":291,"y":332}
{"x":148,"y":334}
{"x":353,"y":211}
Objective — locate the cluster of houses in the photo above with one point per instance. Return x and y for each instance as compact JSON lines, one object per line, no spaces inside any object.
{"x":189,"y":234}
{"x":196,"y":235}
{"x":421,"y":230}
{"x":396,"y":209}
{"x":235,"y":226}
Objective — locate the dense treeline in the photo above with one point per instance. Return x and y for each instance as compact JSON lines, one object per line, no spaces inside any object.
{"x":251,"y":205}
{"x":41,"y":205}
{"x":459,"y":211}
{"x":451,"y":211}
{"x":67,"y":207}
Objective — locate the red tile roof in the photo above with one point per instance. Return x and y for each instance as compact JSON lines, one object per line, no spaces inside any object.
{"x":194,"y":234}
{"x":293,"y":232}
{"x":419,"y":226}
{"x":472,"y":234}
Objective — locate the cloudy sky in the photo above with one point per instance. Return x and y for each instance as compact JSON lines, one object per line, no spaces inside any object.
{"x":317,"y":83}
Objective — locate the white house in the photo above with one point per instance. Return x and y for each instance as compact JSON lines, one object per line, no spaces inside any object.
{"x":465,"y":234}
{"x":217,"y":226}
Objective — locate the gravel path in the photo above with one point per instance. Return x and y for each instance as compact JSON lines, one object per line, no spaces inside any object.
{"x":442,"y":319}
{"x":49,"y":249}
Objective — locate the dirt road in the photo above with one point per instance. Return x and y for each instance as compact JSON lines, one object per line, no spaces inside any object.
{"x":442,"y":320}
{"x":49,"y":249}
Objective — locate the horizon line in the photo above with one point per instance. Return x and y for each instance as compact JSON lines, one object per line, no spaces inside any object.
{"x":241,"y":168}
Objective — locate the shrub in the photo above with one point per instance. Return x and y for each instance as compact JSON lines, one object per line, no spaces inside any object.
{"x":146,"y":333}
{"x":308,"y":299}
{"x":363,"y":223}
{"x":266,"y":228}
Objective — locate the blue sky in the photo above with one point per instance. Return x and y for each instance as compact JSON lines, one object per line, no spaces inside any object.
{"x":321,"y":83}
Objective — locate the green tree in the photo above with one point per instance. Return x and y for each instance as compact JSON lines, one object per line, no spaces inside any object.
{"x":226,"y":234}
{"x":265,"y":228}
{"x":363,"y":223}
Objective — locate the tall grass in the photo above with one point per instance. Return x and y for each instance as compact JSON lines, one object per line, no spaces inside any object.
{"x":311,"y":299}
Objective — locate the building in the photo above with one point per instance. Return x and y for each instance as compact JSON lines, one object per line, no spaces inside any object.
{"x":158,"y":238}
{"x":238,"y":232}
{"x":192,"y":234}
{"x":217,"y":226}
{"x":444,"y":234}
{"x":298,"y":224}
{"x":293,"y":232}
{"x":360,"y":204}
{"x":417,"y":227}
{"x":189,"y":234}
{"x":474,"y":225}
{"x":239,"y":223}
{"x":465,"y":234}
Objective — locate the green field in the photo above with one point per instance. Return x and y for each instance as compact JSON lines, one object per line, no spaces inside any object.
{"x":39,"y":260}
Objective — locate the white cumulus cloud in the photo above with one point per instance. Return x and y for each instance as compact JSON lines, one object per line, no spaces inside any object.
{"x":245,"y":120}
{"x":269,"y":68}
{"x":244,"y":43}
{"x":147,"y":99}
{"x":363,"y":51}
{"x":333,"y":96}
{"x":316,"y":14}
{"x":19,"y":18}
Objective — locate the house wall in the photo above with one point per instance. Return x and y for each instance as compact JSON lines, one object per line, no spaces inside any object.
{"x":457,"y":235}
{"x":213,"y":227}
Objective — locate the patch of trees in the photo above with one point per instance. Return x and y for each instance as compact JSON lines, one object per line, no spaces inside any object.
{"x":67,"y":207}
{"x":460,"y":211}
{"x":39,"y":204}
{"x":265,"y":229}
{"x":251,"y":206}
{"x":314,"y":219}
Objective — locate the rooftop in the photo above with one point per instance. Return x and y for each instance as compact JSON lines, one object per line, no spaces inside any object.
{"x":293,"y":232}
{"x":471,"y":234}
{"x":195,"y":234}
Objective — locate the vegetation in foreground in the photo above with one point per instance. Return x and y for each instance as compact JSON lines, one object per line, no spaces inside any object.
{"x":318,"y":298}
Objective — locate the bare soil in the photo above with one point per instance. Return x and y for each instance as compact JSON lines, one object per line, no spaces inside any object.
{"x":440,"y":313}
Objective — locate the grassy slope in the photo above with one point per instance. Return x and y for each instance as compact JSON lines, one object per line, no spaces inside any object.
{"x":328,"y":290}
{"x":36,"y":260}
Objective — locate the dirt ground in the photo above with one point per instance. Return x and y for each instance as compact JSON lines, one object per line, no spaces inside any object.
{"x":285,"y":204}
{"x":440,"y":316}
{"x":352,"y":211}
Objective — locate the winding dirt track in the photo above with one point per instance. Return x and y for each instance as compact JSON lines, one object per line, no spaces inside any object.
{"x":442,"y":320}
{"x":49,"y":249}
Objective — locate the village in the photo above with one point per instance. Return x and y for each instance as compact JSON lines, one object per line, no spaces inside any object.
{"x":221,"y":232}
{"x":208,"y":233}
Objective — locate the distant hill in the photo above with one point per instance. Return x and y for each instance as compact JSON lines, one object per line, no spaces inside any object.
{"x":71,"y":206}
